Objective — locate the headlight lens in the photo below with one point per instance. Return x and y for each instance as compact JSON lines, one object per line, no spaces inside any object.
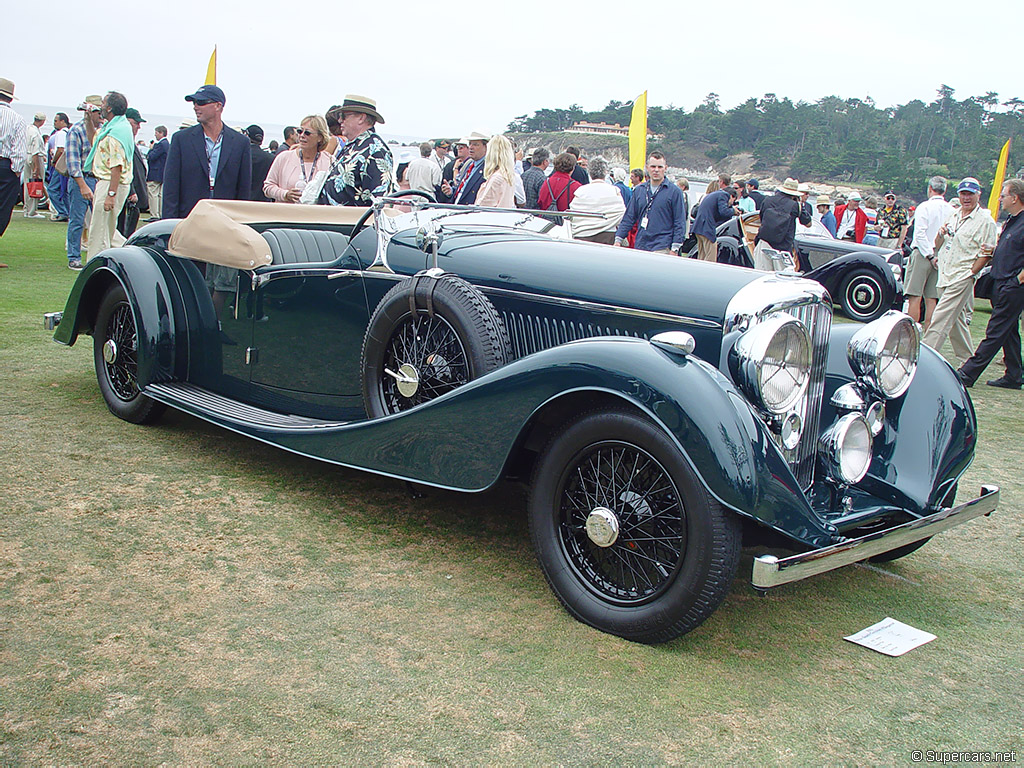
{"x":884,"y":353}
{"x":846,"y":449}
{"x":772,"y":362}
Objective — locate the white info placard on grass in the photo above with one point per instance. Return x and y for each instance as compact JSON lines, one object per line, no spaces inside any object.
{"x":891,"y":637}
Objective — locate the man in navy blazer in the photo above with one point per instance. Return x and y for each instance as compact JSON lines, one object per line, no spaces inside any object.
{"x":208,"y":160}
{"x":463,"y":189}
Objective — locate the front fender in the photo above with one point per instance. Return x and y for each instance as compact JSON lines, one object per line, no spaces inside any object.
{"x":465,"y":438}
{"x":929,"y":435}
{"x":832,"y":273}
{"x":149,"y":292}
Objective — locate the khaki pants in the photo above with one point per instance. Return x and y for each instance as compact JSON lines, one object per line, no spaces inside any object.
{"x":156,"y":198}
{"x":707,"y":250}
{"x":103,"y":232}
{"x":949,"y":321}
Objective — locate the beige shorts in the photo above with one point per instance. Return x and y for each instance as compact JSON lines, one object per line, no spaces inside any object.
{"x":921,"y":277}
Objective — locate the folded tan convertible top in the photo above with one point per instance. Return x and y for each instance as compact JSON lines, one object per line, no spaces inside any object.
{"x":218,"y":231}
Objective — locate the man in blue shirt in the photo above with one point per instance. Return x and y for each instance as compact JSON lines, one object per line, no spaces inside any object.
{"x":658,"y":210}
{"x":716,"y":208}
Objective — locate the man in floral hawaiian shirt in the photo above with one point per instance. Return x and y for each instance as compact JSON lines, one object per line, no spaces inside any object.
{"x":892,"y":223}
{"x":364,"y":168}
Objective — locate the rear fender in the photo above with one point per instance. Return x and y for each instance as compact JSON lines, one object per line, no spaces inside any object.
{"x":149,"y":292}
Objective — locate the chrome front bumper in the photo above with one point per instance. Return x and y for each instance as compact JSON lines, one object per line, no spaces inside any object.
{"x":770,"y":571}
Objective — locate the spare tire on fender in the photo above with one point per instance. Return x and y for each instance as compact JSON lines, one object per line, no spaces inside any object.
{"x":427,"y":336}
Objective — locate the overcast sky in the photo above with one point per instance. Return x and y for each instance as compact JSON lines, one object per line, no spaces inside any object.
{"x":280,"y":61}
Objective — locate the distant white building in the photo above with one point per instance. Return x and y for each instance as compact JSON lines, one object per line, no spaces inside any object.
{"x":603,"y":128}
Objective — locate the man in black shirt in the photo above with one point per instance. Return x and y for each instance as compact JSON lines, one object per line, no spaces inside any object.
{"x":779,"y":214}
{"x":1007,"y":297}
{"x":261,"y":162}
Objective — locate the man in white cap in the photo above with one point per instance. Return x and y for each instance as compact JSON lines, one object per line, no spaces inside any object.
{"x":471,"y":175}
{"x":853,"y":221}
{"x":35,"y":155}
{"x":12,"y":153}
{"x":964,"y":245}
{"x":365,"y":168}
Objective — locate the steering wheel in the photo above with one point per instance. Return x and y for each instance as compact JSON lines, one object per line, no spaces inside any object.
{"x":400,"y":193}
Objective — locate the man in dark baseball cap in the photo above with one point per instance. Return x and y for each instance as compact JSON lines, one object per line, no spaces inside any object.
{"x":208,"y":160}
{"x":207,"y":94}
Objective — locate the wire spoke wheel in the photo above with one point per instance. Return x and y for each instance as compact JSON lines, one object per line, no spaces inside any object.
{"x":628,"y":537}
{"x":117,"y":359}
{"x":428,"y":349}
{"x":122,"y":371}
{"x":649,"y":517}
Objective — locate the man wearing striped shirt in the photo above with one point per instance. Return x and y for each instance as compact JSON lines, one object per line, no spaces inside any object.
{"x":80,"y":184}
{"x":12,"y":153}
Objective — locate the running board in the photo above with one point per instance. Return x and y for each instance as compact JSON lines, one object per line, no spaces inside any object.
{"x":204,"y":403}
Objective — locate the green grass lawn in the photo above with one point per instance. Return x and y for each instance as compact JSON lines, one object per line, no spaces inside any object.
{"x":179,"y":594}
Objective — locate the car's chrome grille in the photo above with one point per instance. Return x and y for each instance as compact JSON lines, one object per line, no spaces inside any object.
{"x":530,"y":333}
{"x":817,"y":318}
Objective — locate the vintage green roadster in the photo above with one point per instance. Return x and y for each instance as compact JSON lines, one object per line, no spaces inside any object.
{"x":663,"y":411}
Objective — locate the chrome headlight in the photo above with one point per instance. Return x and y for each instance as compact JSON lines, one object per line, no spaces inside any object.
{"x":884,"y":353}
{"x":772,"y":362}
{"x":846,"y":449}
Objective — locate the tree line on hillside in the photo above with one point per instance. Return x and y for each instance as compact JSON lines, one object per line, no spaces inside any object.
{"x":840,"y":140}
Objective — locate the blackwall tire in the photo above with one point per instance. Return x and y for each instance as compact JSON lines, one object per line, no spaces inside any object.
{"x":411,"y":357}
{"x":675,"y":550}
{"x":115,"y":353}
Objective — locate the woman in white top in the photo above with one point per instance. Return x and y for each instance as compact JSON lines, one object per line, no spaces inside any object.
{"x":498,"y":191}
{"x":291,"y":171}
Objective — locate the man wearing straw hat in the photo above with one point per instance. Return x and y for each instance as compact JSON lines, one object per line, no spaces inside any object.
{"x":364,"y":168}
{"x":12,"y":153}
{"x":779,"y":214}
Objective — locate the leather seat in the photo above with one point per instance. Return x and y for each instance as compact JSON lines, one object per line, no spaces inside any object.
{"x":299,"y":246}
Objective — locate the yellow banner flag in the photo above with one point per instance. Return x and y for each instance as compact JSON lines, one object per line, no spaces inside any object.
{"x":211,"y":69}
{"x":638,"y":133}
{"x":997,"y":184}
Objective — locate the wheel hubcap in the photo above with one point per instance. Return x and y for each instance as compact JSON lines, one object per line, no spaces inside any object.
{"x":109,"y":351}
{"x":408,"y":386}
{"x":603,"y":527}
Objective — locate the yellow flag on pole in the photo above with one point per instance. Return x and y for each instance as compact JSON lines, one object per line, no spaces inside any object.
{"x":211,"y":69}
{"x":997,"y":184}
{"x":638,"y":133}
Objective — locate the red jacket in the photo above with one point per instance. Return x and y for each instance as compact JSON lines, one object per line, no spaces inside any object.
{"x":555,"y":188}
{"x":860,"y":222}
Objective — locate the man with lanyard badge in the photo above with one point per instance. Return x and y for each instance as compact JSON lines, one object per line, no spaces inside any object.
{"x":659,"y":210}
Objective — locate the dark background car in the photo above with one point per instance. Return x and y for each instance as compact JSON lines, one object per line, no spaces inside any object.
{"x":864,"y":280}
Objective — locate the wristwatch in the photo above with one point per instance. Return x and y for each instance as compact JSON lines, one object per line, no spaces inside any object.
{"x":111,"y":193}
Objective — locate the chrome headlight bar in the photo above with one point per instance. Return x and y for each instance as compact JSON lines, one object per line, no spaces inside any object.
{"x":884,"y":354}
{"x":772,"y":362}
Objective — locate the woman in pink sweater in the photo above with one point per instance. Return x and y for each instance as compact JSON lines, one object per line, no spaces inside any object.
{"x":291,"y":171}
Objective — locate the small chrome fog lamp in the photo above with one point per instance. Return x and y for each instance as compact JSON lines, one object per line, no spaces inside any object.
{"x":846,"y":449}
{"x":875,"y":417}
{"x":790,"y":430}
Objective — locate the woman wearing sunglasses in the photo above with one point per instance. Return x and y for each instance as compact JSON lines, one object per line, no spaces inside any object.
{"x":293,"y":170}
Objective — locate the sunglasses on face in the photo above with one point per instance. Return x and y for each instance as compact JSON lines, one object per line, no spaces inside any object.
{"x":201,"y":102}
{"x":889,"y":197}
{"x":303,"y":132}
